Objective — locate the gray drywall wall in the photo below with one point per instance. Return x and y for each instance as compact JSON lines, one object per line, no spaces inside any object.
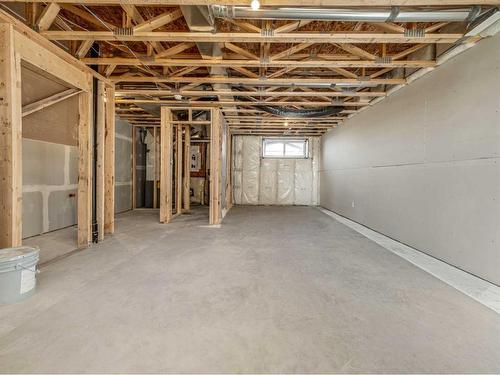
{"x":49,"y":186}
{"x":123,"y":166}
{"x":423,"y":167}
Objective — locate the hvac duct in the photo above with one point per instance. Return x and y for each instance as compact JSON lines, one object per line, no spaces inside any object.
{"x":393,"y":14}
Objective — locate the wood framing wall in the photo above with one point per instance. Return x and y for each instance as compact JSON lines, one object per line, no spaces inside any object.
{"x":177,"y":153}
{"x":20,"y":45}
{"x":10,"y":140}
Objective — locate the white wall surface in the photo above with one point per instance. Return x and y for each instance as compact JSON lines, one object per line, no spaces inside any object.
{"x":273,"y":181}
{"x":423,"y":165}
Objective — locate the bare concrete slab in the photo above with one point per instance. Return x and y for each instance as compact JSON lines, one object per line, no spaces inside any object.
{"x":275,"y":289}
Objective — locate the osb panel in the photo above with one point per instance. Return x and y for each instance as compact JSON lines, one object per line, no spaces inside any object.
{"x":57,"y":123}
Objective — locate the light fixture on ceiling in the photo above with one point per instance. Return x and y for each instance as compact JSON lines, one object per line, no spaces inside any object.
{"x":178,"y":97}
{"x":255,"y":4}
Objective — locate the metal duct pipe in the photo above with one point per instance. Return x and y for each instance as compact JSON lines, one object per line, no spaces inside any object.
{"x":294,"y":113}
{"x":393,"y":14}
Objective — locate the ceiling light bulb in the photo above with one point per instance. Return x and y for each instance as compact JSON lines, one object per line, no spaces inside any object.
{"x":255,"y":4}
{"x":178,"y":97}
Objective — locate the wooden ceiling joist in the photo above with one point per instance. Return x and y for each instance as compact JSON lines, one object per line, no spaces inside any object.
{"x":151,"y":57}
{"x":257,"y":63}
{"x":185,"y":92}
{"x":297,"y":37}
{"x":264,"y":81}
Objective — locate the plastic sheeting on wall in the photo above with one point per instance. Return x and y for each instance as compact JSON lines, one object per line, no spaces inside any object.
{"x":273,"y":181}
{"x":237,"y":169}
{"x":251,"y":170}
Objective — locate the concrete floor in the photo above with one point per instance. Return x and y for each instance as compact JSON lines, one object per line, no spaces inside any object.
{"x":276,"y":289}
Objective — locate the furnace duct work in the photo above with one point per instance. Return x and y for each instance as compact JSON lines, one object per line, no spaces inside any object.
{"x":393,"y":14}
{"x":300,"y":113}
{"x":291,"y":112}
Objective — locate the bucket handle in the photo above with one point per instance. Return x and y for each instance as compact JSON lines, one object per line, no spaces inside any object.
{"x":27,"y":269}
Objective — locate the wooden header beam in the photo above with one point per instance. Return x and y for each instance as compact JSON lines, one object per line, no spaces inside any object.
{"x":258,"y":63}
{"x":217,"y":104}
{"x":160,"y":92}
{"x":265,"y":81}
{"x":296,"y":37}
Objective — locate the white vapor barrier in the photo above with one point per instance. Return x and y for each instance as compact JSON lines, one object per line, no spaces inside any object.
{"x":237,"y":168}
{"x":303,"y":182}
{"x":268,"y":181}
{"x":251,"y":170}
{"x":286,"y":181}
{"x":273,"y":181}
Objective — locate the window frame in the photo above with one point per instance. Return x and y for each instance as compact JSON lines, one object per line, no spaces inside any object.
{"x":285,"y":140}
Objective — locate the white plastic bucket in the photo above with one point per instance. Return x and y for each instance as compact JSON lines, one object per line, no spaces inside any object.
{"x":17,"y":273}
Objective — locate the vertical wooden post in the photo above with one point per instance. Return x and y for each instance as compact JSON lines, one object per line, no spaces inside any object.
{"x":109,"y":162}
{"x":178,"y":172}
{"x":229,"y":177}
{"x":10,"y":141}
{"x":166,"y":134}
{"x":215,"y":127}
{"x":100,"y":136}
{"x":187,"y":168}
{"x":155,"y":169}
{"x":84,"y":169}
{"x":134,"y":170}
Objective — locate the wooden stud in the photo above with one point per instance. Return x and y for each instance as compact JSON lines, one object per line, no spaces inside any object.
{"x":187,"y":168}
{"x":215,"y":132}
{"x":134,"y":168}
{"x":84,"y":169}
{"x":229,"y":177}
{"x":100,"y":136}
{"x":10,"y":141}
{"x":155,"y":168}
{"x":166,"y":141}
{"x":109,"y":162}
{"x":178,"y":170}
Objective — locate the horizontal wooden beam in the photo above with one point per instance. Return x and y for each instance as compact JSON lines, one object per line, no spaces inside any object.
{"x":258,"y":63}
{"x":159,"y":92}
{"x":265,"y":81}
{"x":295,"y":37}
{"x":193,"y":103}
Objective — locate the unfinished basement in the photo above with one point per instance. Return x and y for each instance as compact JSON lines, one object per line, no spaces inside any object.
{"x":250,"y":186}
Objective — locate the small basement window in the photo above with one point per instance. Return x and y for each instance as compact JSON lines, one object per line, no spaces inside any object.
{"x":285,"y":148}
